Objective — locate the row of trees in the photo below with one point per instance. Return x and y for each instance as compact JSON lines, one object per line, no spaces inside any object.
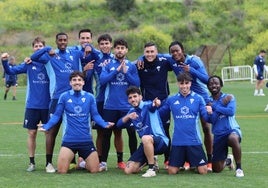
{"x":239,"y":24}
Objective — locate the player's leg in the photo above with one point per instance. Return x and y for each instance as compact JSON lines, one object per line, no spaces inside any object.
{"x":92,"y":162}
{"x":208,"y":141}
{"x":118,"y":143}
{"x":65,"y":157}
{"x":197,"y":157}
{"x":234,"y":142}
{"x":176,"y":159}
{"x":220,"y":151}
{"x":51,"y":138}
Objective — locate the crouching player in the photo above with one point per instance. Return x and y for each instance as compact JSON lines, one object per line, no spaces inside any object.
{"x":147,"y":123}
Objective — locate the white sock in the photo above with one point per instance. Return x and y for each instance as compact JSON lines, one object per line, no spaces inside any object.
{"x":82,"y":164}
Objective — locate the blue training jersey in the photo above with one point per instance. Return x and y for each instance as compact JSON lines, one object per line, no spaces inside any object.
{"x":186,"y":112}
{"x":259,"y":62}
{"x":198,"y":73}
{"x":223,"y":117}
{"x":117,"y":83}
{"x":104,"y":59}
{"x":37,"y":93}
{"x":148,"y":121}
{"x":77,"y":109}
{"x":10,"y":77}
{"x":59,"y":67}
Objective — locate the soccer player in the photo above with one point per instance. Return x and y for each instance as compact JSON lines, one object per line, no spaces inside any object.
{"x":118,"y":75}
{"x":182,"y":62}
{"x":37,"y":96}
{"x":225,"y":128}
{"x":148,"y":125}
{"x":186,"y":107}
{"x":60,"y":63}
{"x":105,"y":45}
{"x":77,"y":108}
{"x":258,"y":67}
{"x":10,"y":80}
{"x":153,"y":73}
{"x":85,"y":40}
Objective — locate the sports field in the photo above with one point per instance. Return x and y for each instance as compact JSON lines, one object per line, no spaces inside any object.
{"x":14,"y":158}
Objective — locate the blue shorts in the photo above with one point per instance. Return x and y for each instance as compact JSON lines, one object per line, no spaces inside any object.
{"x":84,"y":149}
{"x":33,"y":117}
{"x":260,"y":77}
{"x":52,"y":109}
{"x":114,"y":116}
{"x":159,"y":148}
{"x":220,"y":146}
{"x":195,"y":155}
{"x":11,"y":83}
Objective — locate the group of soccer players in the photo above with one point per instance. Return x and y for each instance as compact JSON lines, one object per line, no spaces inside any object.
{"x":60,"y":81}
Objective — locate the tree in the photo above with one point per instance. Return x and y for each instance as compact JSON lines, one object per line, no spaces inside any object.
{"x":119,"y":6}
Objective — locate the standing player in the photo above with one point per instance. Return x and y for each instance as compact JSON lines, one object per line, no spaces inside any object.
{"x":10,"y":80}
{"x":225,"y":129}
{"x":182,"y":62}
{"x":118,"y":75}
{"x":37,"y":96}
{"x":77,"y":108}
{"x":186,"y":107}
{"x":154,"y":81}
{"x":258,"y":67}
{"x":148,"y":125}
{"x":60,"y":63}
{"x":85,"y":40}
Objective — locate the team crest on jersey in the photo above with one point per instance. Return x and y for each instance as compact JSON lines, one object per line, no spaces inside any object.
{"x":158,"y":68}
{"x":184,"y":110}
{"x":78,"y":109}
{"x":70,"y":101}
{"x":120,"y":77}
{"x":34,"y":68}
{"x":191,"y":101}
{"x":68,"y":65}
{"x":83,"y":99}
{"x":41,"y":76}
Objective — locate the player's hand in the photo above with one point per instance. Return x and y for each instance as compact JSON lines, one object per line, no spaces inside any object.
{"x":209,"y":109}
{"x":89,"y":65}
{"x":27,"y":60}
{"x":109,"y":125}
{"x":227,"y":99}
{"x":156,"y":102}
{"x":4,"y":56}
{"x":88,"y":50}
{"x":52,"y":52}
{"x":140,"y":64}
{"x":41,"y":128}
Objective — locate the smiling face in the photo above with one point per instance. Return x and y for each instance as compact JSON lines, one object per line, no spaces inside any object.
{"x":214,"y":86}
{"x":134,"y":99}
{"x":120,"y":52}
{"x":62,"y":42}
{"x":85,"y":38}
{"x":184,"y":87}
{"x":105,"y":46}
{"x":77,"y":83}
{"x":150,"y":53}
{"x":177,"y":53}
